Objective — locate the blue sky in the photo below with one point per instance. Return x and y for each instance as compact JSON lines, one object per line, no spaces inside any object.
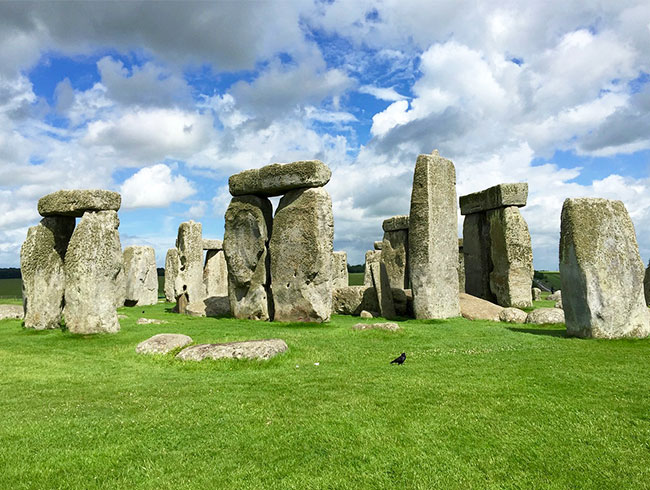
{"x":163,"y":101}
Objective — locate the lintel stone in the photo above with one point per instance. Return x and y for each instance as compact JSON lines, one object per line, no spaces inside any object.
{"x":396,"y":223}
{"x":77,"y":202}
{"x":498,"y":196}
{"x":279,"y":178}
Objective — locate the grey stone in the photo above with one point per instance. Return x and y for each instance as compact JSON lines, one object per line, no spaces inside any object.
{"x":92,"y":265}
{"x":384,"y":291}
{"x":474,"y":308}
{"x":77,"y":202}
{"x":555,"y":296}
{"x":394,"y":257}
{"x":301,"y":249}
{"x":601,"y":271}
{"x":339,"y":270}
{"x":511,"y":251}
{"x":396,"y":223}
{"x":189,"y":243}
{"x":277,"y":179}
{"x":181,"y":304}
{"x":390,"y":326}
{"x":542,"y":316}
{"x":372,"y":256}
{"x":646,"y":286}
{"x":248,"y":225}
{"x":141,"y":276}
{"x":352,"y":300}
{"x":433,"y":239}
{"x":172,"y":265}
{"x":249,"y":349}
{"x":148,"y":321}
{"x":214,"y":306}
{"x":558,"y":304}
{"x":513,"y":315}
{"x":212,"y":244}
{"x":478,"y":259}
{"x":41,"y":266}
{"x":461,"y":266}
{"x":215,"y":273}
{"x":366,"y":314}
{"x":11,"y":312}
{"x":499,"y":196}
{"x":378,"y":245}
{"x":163,"y":343}
{"x":537,"y":294}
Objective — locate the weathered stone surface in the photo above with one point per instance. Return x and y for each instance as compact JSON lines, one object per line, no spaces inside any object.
{"x":601,"y":271}
{"x":541,"y":316}
{"x":478,"y":259}
{"x":383,"y":289}
{"x":351,"y":300}
{"x":141,"y":276}
{"x":215,"y":273}
{"x":378,"y":245}
{"x":396,"y":223}
{"x":212,"y":244}
{"x":558,"y":304}
{"x":390,"y":326}
{"x":301,"y":249}
{"x":555,"y":296}
{"x":474,"y":308}
{"x":403,"y":304}
{"x":278,"y":178}
{"x":433,"y":240}
{"x":248,"y":225}
{"x":646,"y":286}
{"x":339,"y":270}
{"x":537,"y":294}
{"x":92,"y":265}
{"x":461,"y":267}
{"x":41,"y":265}
{"x":214,"y":306}
{"x":77,"y":202}
{"x":499,"y":196}
{"x":181,"y":304}
{"x":372,"y":256}
{"x":511,"y":252}
{"x":249,"y":349}
{"x":11,"y":312}
{"x":366,"y":314}
{"x":163,"y":343}
{"x":513,"y":315}
{"x":394,"y":256}
{"x":172,"y":265}
{"x":148,"y":321}
{"x":189,"y":243}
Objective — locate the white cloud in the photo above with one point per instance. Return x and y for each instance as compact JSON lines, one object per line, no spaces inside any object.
{"x":154,"y":187}
{"x":382,"y":93}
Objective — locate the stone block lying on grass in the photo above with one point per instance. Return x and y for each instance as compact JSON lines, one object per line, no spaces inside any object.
{"x":248,"y":349}
{"x":150,"y":321}
{"x":14,"y":312}
{"x":162,"y":343}
{"x":541,"y":316}
{"x":474,"y":308}
{"x":213,"y":306}
{"x":513,"y":315}
{"x":393,"y":327}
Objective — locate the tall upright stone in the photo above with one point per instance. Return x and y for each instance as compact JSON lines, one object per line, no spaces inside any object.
{"x":92,"y":265}
{"x":372,"y":256}
{"x":215,"y":273}
{"x":433,"y":239}
{"x":478,"y":257}
{"x":301,"y":249}
{"x":172,"y":265}
{"x":646,"y":285}
{"x":248,"y":226}
{"x":601,"y":271}
{"x":189,"y":243}
{"x":394,"y":251}
{"x":141,"y":276}
{"x":461,"y":266}
{"x":43,"y":275}
{"x":340,"y":270}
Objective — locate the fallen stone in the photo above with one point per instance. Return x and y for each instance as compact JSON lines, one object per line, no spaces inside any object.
{"x":556,"y":296}
{"x":541,"y":316}
{"x":278,"y":179}
{"x":396,"y":223}
{"x":149,"y":321}
{"x":189,"y":243}
{"x":340,"y":270}
{"x":122,"y":317}
{"x":474,"y":308}
{"x":43,"y":275}
{"x":537,"y":294}
{"x":92,"y":264}
{"x":301,"y":249}
{"x":499,"y":196}
{"x":366,"y":314}
{"x":215,"y":273}
{"x":214,"y":307}
{"x":513,"y":315}
{"x":372,"y":256}
{"x":378,"y":245}
{"x":11,"y":312}
{"x":77,"y":202}
{"x":141,"y":276}
{"x":392,"y":327}
{"x":172,"y":265}
{"x":558,"y":304}
{"x":163,"y":343}
{"x":352,"y":300}
{"x":601,"y":270}
{"x":384,"y":291}
{"x":212,"y":244}
{"x":394,"y":257}
{"x":433,"y":240}
{"x":249,"y":349}
{"x":248,"y":225}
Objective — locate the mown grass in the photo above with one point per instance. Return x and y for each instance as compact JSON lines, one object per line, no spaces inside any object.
{"x":355,"y":278}
{"x":476,"y":405}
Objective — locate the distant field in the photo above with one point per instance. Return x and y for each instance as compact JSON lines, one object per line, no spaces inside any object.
{"x":11,"y":288}
{"x":551,"y":279}
{"x":355,"y":278}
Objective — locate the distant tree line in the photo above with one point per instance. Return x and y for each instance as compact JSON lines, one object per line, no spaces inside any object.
{"x":10,"y":273}
{"x":357,"y":268}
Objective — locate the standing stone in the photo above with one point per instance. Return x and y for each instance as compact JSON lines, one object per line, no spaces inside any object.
{"x":277,"y":179}
{"x":646,"y":286}
{"x":172,"y":265}
{"x":248,"y":225}
{"x":511,"y":252}
{"x":601,"y":271}
{"x":41,"y":266}
{"x":92,"y":265}
{"x":339,"y":270}
{"x":433,"y":239}
{"x":141,"y":276}
{"x":478,"y":259}
{"x":537,"y":294}
{"x":394,"y":251}
{"x":384,"y":292}
{"x":461,"y":267}
{"x":189,"y":243}
{"x":215,"y":273}
{"x":372,"y":256}
{"x":301,"y":249}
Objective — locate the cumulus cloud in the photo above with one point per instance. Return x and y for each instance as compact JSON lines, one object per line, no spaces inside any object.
{"x":154,"y":187}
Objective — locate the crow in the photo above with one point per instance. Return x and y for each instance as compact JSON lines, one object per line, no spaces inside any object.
{"x":400,"y":359}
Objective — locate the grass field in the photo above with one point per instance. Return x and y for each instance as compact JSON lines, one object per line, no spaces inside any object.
{"x":476,"y":405}
{"x":550,"y":278}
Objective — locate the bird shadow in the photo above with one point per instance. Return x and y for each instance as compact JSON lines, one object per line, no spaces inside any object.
{"x":540,"y":331}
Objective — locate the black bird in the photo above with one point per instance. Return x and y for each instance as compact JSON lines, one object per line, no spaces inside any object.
{"x":400,"y":359}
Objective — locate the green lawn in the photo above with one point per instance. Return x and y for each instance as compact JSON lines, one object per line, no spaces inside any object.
{"x":549,"y":278}
{"x":476,"y":405}
{"x":355,"y":278}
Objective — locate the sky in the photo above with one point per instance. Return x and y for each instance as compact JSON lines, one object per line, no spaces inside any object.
{"x":162,"y":102}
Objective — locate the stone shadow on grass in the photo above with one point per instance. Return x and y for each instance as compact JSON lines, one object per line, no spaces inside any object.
{"x":541,"y":331}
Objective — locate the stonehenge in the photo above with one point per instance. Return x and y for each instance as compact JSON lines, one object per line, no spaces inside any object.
{"x":141,"y":276}
{"x":339,"y":270}
{"x":394,"y":251}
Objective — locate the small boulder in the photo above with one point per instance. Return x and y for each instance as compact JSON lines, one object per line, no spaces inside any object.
{"x":556,"y":296}
{"x":150,"y":321}
{"x":558,"y":304}
{"x":390,"y":326}
{"x":513,"y":315}
{"x":537,"y":294}
{"x":162,"y":343}
{"x":14,"y":312}
{"x":366,"y":314}
{"x":474,"y":308}
{"x":541,"y":316}
{"x":249,"y":349}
